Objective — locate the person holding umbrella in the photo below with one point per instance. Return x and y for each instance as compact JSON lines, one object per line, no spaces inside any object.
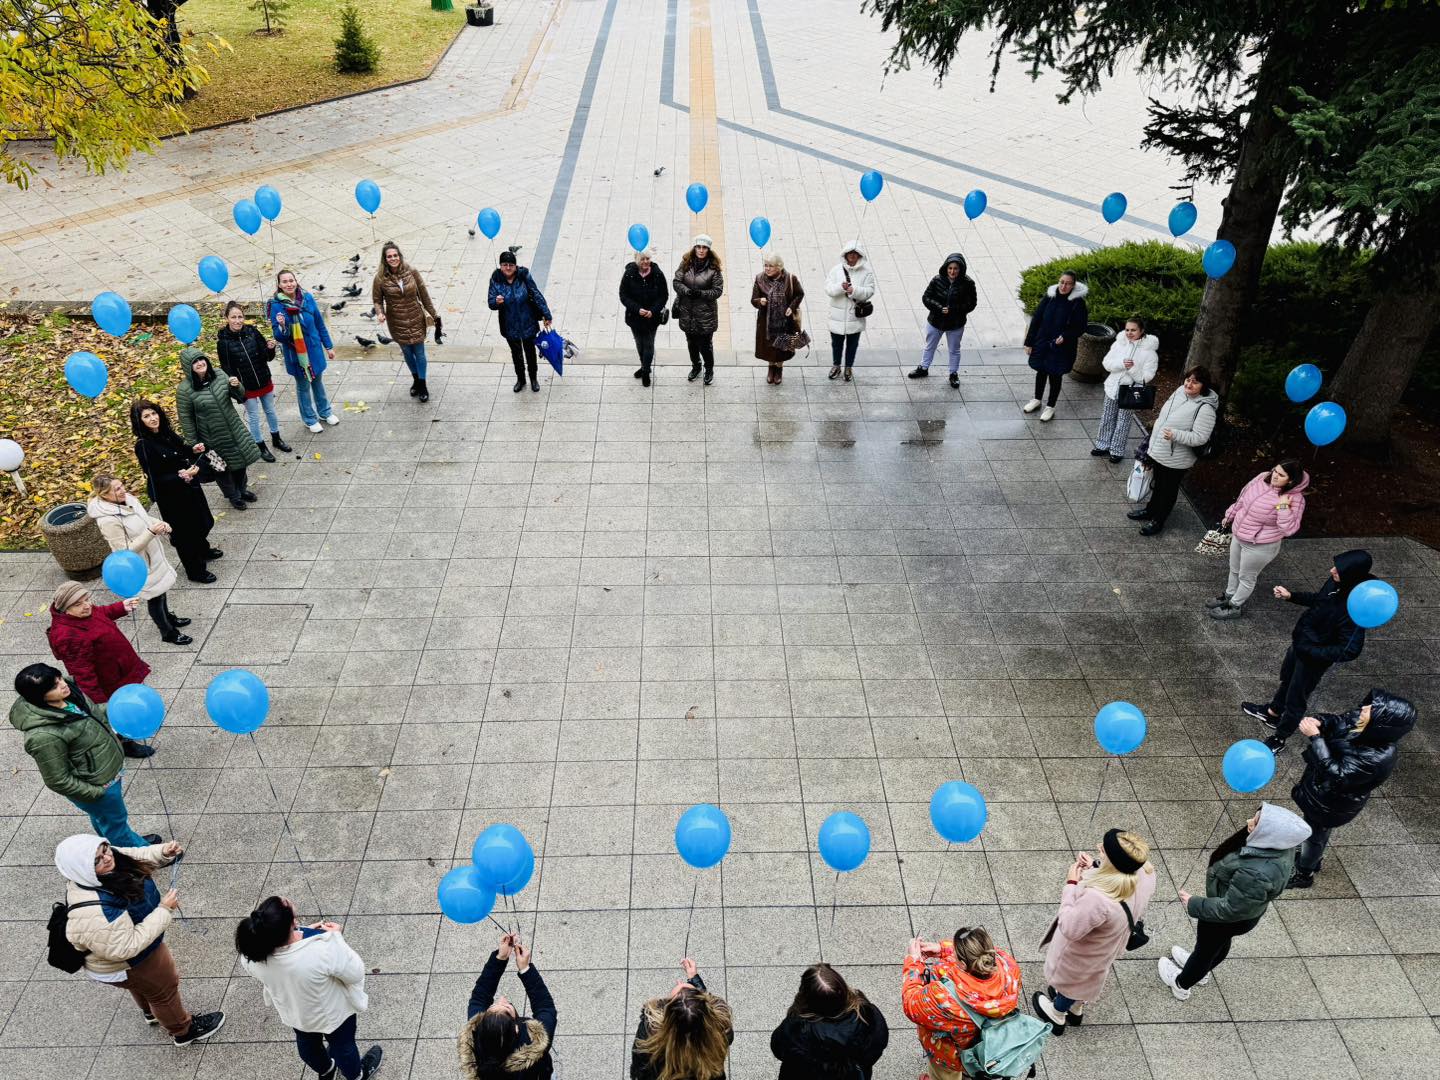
{"x":522,"y":307}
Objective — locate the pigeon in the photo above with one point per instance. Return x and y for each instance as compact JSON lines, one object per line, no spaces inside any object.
{"x":368,"y":314}
{"x":350,"y":290}
{"x":317,"y":288}
{"x":516,"y":248}
{"x":352,"y":271}
{"x":365,"y":342}
{"x":355,"y":258}
{"x":385,"y":340}
{"x":470,"y":231}
{"x":659,"y":169}
{"x":340,"y":306}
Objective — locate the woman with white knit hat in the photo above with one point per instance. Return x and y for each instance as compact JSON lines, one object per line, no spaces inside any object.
{"x":698,"y":285}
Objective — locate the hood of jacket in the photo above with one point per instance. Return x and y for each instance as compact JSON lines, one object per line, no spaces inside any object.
{"x":27,"y":717}
{"x":1278,"y":829}
{"x":1354,"y":567}
{"x":188,"y":356}
{"x":75,"y":858}
{"x":953,"y":257}
{"x":1079,"y":292}
{"x":524,"y":1056}
{"x":826,"y":1040}
{"x":1391,"y":718}
{"x":1148,"y":342}
{"x":98,"y":507}
{"x":855,"y":247}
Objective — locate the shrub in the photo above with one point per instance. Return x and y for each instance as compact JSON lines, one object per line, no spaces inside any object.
{"x":355,"y":51}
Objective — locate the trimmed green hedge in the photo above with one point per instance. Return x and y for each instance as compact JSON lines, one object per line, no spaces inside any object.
{"x":1312,"y":301}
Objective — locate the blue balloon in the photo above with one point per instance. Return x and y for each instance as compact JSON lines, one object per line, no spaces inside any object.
{"x":1248,"y":766}
{"x":247,"y":217}
{"x":1182,"y":218}
{"x":1372,"y":603}
{"x":499,"y":854}
{"x":184,"y":323}
{"x":844,"y":841}
{"x":1303,"y":383}
{"x":1219,"y":257}
{"x":367,"y":194}
{"x":521,"y":879}
{"x":86,"y":373}
{"x":760,"y":231}
{"x":870,"y":185}
{"x":124,"y":573}
{"x":237,"y":701}
{"x":214,"y":274}
{"x":267,"y":201}
{"x":135,"y":711}
{"x":639,"y":237}
{"x":1119,"y":727}
{"x":463,"y":897}
{"x":111,"y":313}
{"x":696,"y":197}
{"x":958,"y":811}
{"x":1113,"y":208}
{"x":975,"y":204}
{"x":1324,"y":423}
{"x":702,"y":836}
{"x":489,"y":222}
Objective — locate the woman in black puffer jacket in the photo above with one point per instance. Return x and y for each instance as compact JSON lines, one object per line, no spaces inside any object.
{"x":245,"y":354}
{"x":832,"y":1032}
{"x":699,"y":283}
{"x":1347,"y":758}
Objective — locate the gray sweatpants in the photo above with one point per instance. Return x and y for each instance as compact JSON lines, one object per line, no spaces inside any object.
{"x":1246,"y":562}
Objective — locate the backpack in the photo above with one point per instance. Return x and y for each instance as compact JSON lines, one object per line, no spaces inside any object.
{"x":1008,"y":1046}
{"x":1217,"y":439}
{"x":61,"y":954}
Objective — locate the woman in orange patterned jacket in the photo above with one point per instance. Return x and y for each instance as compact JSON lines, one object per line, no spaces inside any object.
{"x":987,"y":979}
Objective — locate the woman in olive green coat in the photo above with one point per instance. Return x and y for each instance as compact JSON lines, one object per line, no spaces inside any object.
{"x":205,"y":402}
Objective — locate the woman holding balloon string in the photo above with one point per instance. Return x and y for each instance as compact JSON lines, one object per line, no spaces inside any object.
{"x":127,"y":527}
{"x":299,"y":329}
{"x":205,"y":404}
{"x":173,"y":476}
{"x":776,"y":297}
{"x":244,"y":354}
{"x":685,"y":1036}
{"x":699,"y":283}
{"x":497,"y":1041}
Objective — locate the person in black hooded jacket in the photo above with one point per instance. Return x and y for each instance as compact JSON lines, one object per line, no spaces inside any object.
{"x":497,"y":1041}
{"x":832,"y":1032}
{"x":948,"y":299}
{"x":1324,"y":635}
{"x":1347,"y":758}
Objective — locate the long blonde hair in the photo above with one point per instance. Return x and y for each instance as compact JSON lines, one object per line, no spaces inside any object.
{"x":688,"y":1036}
{"x":1116,"y":884}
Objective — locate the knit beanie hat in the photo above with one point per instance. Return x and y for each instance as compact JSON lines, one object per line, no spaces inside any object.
{"x":67,"y":594}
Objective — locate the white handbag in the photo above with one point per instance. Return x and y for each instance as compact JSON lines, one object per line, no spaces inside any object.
{"x":1137,"y":488}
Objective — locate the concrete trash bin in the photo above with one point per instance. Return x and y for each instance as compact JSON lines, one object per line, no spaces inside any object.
{"x":1090,"y":353}
{"x":75,"y":540}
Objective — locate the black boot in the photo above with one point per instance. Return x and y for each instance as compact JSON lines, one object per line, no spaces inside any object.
{"x":645,"y":376}
{"x":535,"y":378}
{"x":424,"y":394}
{"x":265,"y":454}
{"x":133,"y":749}
{"x":415,"y":385}
{"x":694,"y":372}
{"x":279,"y":443}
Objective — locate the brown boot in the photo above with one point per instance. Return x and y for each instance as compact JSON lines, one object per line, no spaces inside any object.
{"x":779,"y":374}
{"x":770,"y":375}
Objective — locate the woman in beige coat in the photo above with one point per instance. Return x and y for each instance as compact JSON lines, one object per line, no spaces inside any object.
{"x":127,"y":527}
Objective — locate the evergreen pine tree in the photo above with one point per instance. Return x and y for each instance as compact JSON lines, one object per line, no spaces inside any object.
{"x":274,"y":13}
{"x":355,"y":51}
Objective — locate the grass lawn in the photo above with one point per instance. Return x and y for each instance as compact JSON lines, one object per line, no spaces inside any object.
{"x":68,"y":438}
{"x":295,"y":67}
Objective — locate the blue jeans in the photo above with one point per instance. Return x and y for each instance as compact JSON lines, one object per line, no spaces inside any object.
{"x":414,"y":358}
{"x":311,"y":412}
{"x":932,"y":342}
{"x":342,"y":1052}
{"x":252,"y":414}
{"x":109,"y":817}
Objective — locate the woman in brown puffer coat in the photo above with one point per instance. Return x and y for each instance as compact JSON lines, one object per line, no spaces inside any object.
{"x":401,"y":303}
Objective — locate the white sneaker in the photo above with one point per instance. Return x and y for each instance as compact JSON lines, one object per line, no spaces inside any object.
{"x":315,"y":427}
{"x":1048,"y":413}
{"x":1168,"y":974}
{"x":1182,"y":957}
{"x":332,"y":419}
{"x":1031,"y":405}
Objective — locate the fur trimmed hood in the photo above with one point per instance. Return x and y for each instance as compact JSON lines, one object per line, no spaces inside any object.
{"x":523,"y":1057}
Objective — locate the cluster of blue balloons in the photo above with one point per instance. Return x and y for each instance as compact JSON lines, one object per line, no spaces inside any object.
{"x":250,"y":214}
{"x":501,"y":863}
{"x":237,"y":701}
{"x":1325,"y":422}
{"x":488,"y":221}
{"x":367,"y":194}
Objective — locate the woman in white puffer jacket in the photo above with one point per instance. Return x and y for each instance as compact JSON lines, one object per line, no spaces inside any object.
{"x":850,"y":282}
{"x":1133,"y":359}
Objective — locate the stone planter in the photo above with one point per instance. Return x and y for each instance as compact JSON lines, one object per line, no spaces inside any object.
{"x":1094,"y":344}
{"x":75,"y":540}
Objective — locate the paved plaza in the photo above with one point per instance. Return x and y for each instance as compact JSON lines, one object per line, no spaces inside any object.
{"x":585,"y":609}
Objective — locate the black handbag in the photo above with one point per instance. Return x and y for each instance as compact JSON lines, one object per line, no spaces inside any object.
{"x":1135,"y":396}
{"x":863,"y":308}
{"x":662,"y":316}
{"x":1139,"y":937}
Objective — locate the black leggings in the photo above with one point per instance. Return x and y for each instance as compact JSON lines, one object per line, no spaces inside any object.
{"x":1164,"y":490}
{"x":160,"y":614}
{"x":645,"y":344}
{"x":530,"y":358}
{"x":702,"y":349}
{"x":1212,"y":945}
{"x":1040,"y":378}
{"x":850,"y":343}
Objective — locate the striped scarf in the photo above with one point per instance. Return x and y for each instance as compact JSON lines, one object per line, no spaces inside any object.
{"x":297,"y":333}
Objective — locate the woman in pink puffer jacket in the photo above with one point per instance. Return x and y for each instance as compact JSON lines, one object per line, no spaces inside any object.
{"x":1268,"y":510}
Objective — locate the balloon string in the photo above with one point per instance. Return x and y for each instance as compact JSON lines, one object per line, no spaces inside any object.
{"x":939,"y":874}
{"x":170,"y":830}
{"x":690,"y":921}
{"x":285,"y":818}
{"x":503,"y":928}
{"x":1103,"y":777}
{"x":1224,"y":813}
{"x":834,"y":899}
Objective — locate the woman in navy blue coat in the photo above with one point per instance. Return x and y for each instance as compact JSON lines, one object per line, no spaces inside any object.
{"x":522,"y":308}
{"x":1053,"y":337}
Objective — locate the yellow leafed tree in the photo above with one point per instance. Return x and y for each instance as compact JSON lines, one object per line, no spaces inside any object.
{"x":96,"y":78}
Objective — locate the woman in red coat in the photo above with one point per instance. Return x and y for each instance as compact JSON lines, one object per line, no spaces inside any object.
{"x":93,"y":649}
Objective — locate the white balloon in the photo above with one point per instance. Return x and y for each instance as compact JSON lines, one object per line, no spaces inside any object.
{"x":11,"y":456}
